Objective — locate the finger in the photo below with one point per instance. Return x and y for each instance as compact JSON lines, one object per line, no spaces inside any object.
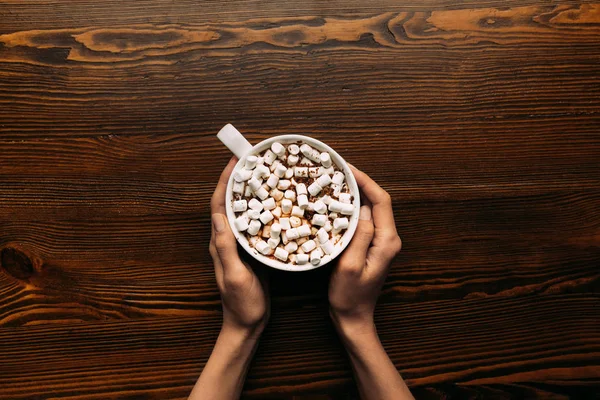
{"x":217,"y":203}
{"x":354,"y":258}
{"x":226,"y":247}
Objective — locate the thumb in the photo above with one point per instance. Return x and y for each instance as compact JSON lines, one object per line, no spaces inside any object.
{"x":225,"y":243}
{"x":356,"y":253}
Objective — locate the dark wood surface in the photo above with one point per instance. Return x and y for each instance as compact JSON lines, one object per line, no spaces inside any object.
{"x":481,"y":118}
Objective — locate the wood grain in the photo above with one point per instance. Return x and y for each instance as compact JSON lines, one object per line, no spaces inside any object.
{"x":480,"y":118}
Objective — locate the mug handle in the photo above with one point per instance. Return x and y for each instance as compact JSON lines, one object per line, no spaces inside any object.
{"x":235,"y":141}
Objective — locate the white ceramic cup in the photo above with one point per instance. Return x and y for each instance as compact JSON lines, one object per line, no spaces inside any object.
{"x":241,"y":148}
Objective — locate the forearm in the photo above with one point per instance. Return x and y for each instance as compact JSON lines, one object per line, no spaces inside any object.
{"x":376,"y":375}
{"x":225,"y":371}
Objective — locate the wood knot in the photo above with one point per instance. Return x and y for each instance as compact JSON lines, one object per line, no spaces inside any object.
{"x":16,"y":264}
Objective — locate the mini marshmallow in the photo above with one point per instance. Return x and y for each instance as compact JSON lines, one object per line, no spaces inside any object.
{"x":314,"y":172}
{"x":285,"y":223}
{"x":263,"y":247}
{"x":281,"y":254}
{"x":304,"y":230}
{"x":328,"y":227}
{"x":314,"y":188}
{"x":301,"y":241}
{"x":335,"y":206}
{"x":289,"y":173}
{"x":290,"y":195}
{"x":274,"y":165}
{"x":240,"y":205}
{"x":242,"y":175}
{"x":278,"y":149}
{"x":295,"y":222}
{"x":326,"y":159}
{"x":291,"y":247}
{"x":250,"y":162}
{"x":269,"y":203}
{"x":280,"y":170}
{"x":248,"y":192}
{"x":266,"y":217}
{"x":269,"y":157}
{"x":253,"y":214}
{"x":276,"y":212}
{"x":254,"y":183}
{"x":297,"y":211}
{"x":286,"y":206}
{"x":261,"y":172}
{"x":345,"y":198}
{"x":309,"y":246}
{"x":253,"y":240}
{"x":277,"y":194}
{"x":328,"y":171}
{"x":302,"y":201}
{"x":273,"y":242}
{"x":273,"y":181}
{"x":319,"y":220}
{"x":333,"y":215}
{"x":326,"y":199}
{"x":241,"y":223}
{"x":294,"y":149}
{"x":322,"y":236}
{"x":337,"y":189}
{"x":266,"y":232}
{"x":319,"y":207}
{"x":315,"y":256}
{"x":306,"y":162}
{"x":324,"y":180}
{"x":238,"y":187}
{"x":260,"y":160}
{"x":327,"y":247}
{"x":284,"y":238}
{"x":310,"y":153}
{"x":301,"y":189}
{"x":292,"y":234}
{"x":300,"y":172}
{"x":340,"y":223}
{"x":292,"y":160}
{"x":301,"y":259}
{"x":347,"y":209}
{"x":253,"y":227}
{"x":284,"y":184}
{"x":338,"y":178}
{"x":255,"y":205}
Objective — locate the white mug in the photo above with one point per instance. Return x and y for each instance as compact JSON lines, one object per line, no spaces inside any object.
{"x":241,"y":148}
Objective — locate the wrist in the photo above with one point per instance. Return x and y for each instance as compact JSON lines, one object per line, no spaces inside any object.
{"x":354,"y":328}
{"x":241,"y":333}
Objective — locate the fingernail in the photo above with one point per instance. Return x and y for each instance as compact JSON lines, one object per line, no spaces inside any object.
{"x":218,"y":221}
{"x":365,"y":213}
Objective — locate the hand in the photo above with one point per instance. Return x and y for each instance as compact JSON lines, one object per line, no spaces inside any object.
{"x":357,"y":280}
{"x":246,"y":305}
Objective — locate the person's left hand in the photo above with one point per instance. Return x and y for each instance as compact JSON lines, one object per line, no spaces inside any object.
{"x":246,"y":305}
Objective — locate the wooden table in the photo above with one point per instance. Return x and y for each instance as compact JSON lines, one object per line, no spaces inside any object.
{"x":482,"y":120}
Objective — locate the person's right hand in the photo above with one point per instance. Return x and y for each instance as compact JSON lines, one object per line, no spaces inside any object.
{"x":357,"y":279}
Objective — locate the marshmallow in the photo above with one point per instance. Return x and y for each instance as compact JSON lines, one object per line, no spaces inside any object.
{"x":326,"y":199}
{"x":254,"y":183}
{"x":274,"y":165}
{"x":290,"y":195}
{"x":292,"y":160}
{"x":345,"y":198}
{"x":250,"y":162}
{"x":340,"y":223}
{"x":314,"y":188}
{"x":300,"y":172}
{"x":238,"y":187}
{"x":266,"y":217}
{"x":304,"y":230}
{"x":278,"y":149}
{"x":328,"y":227}
{"x":286,"y":206}
{"x":310,"y":206}
{"x":309,"y":246}
{"x":284,"y":184}
{"x":240,"y":205}
{"x":253,"y":227}
{"x":301,"y":259}
{"x":275,"y":230}
{"x":273,"y":181}
{"x":328,"y":171}
{"x":324,"y":180}
{"x":261,"y":172}
{"x":289,"y":173}
{"x":253,"y":240}
{"x":297,"y":211}
{"x":291,"y":247}
{"x":310,"y":153}
{"x":319,"y":207}
{"x":276,"y":212}
{"x":337,"y":189}
{"x":269,"y":157}
{"x":269,"y":203}
{"x":253,"y":214}
{"x":263,"y":247}
{"x":277,"y":194}
{"x":295,"y":222}
{"x":255,"y":205}
{"x":273,"y":242}
{"x":347,"y":209}
{"x":327,"y":247}
{"x":266,"y":232}
{"x":315,"y":256}
{"x":247,"y":192}
{"x":326,"y":159}
{"x":306,"y":162}
{"x":338,"y":178}
{"x":284,"y":238}
{"x":281,"y":254}
{"x":242,"y":175}
{"x":294,"y":149}
{"x":322,"y":236}
{"x":285,"y":223}
{"x":314,"y":172}
{"x":241,"y":223}
{"x":280,"y":170}
{"x":301,"y":241}
{"x":260,"y":160}
{"x":302,"y":201}
{"x":319,"y":220}
{"x":292,"y":234}
{"x":301,"y":189}
{"x":335,"y":206}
